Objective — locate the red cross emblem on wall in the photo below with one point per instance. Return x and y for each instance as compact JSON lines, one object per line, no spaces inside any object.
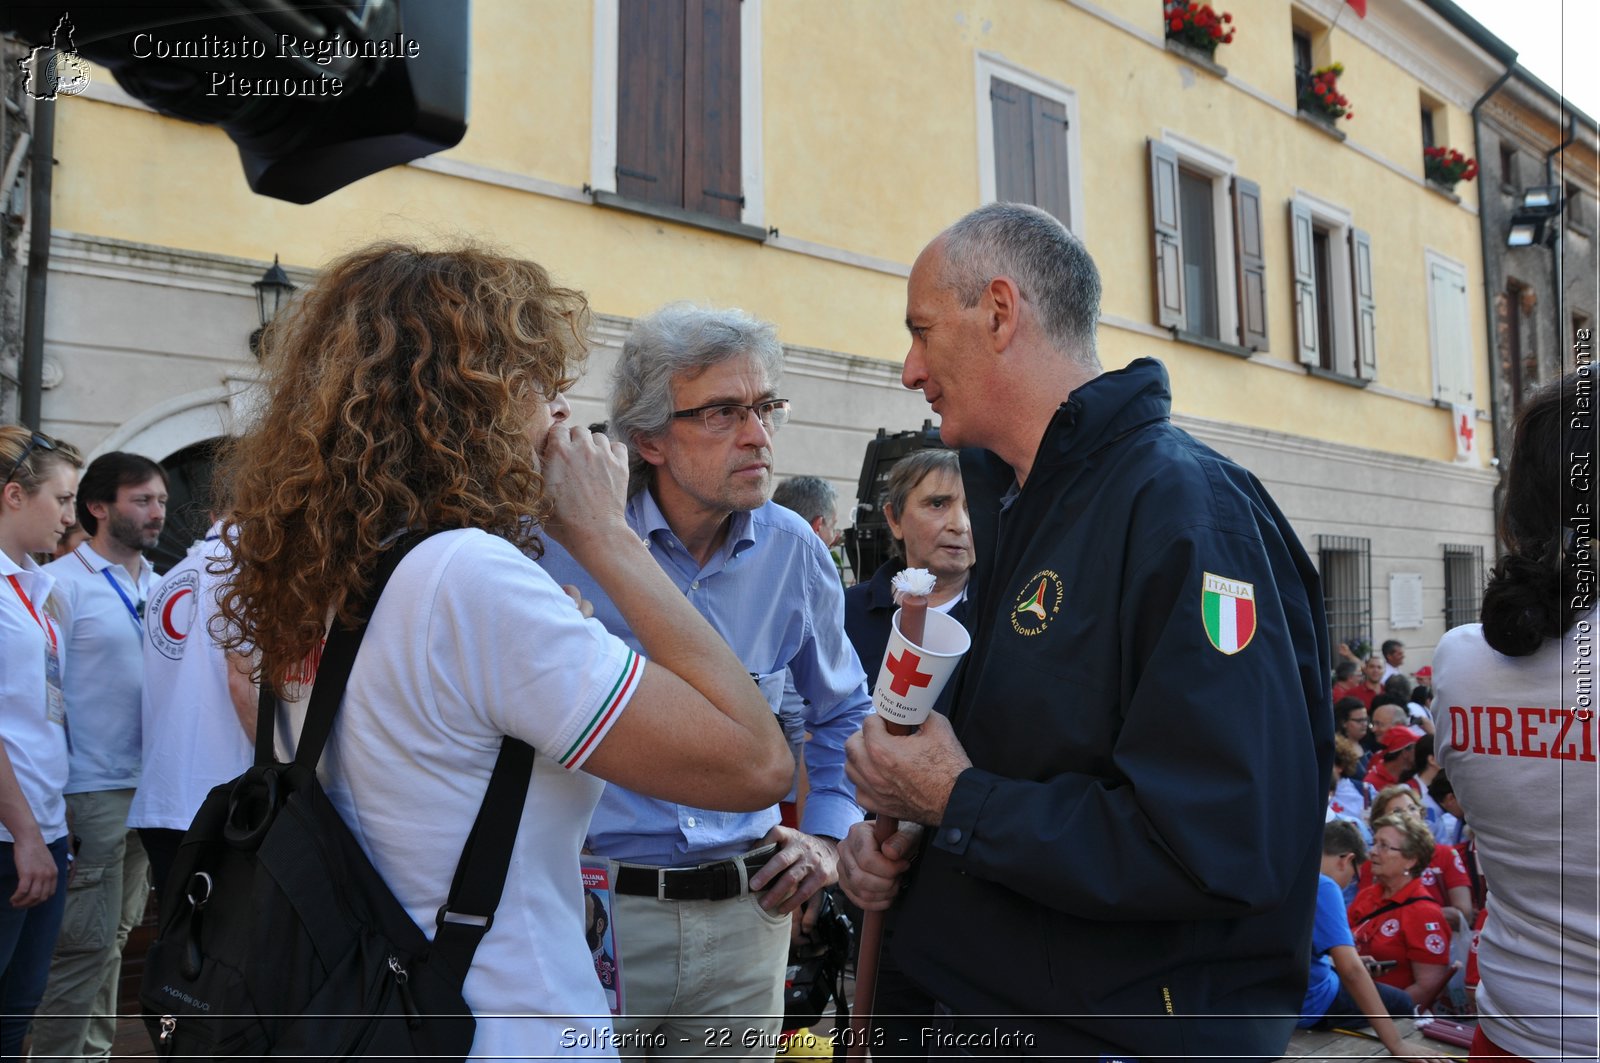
{"x":906,"y":676}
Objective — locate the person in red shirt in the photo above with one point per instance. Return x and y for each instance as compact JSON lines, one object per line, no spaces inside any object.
{"x":1397,"y":925}
{"x":1446,"y":878}
{"x":1344,"y":677}
{"x":1370,"y":685}
{"x":1397,"y":754}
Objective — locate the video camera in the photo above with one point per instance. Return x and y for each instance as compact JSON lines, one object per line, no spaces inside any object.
{"x":867,"y":543}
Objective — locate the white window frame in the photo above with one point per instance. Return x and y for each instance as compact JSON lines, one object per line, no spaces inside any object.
{"x":986,"y":67}
{"x":1338,"y":221}
{"x":1197,"y":158}
{"x":603,"y":123}
{"x":1435,"y":260}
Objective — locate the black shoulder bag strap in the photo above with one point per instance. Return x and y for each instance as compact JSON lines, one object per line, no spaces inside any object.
{"x":1391,"y":906}
{"x":480,"y":878}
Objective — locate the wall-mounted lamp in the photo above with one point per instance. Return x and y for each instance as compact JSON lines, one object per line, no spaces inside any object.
{"x":1530,"y":223}
{"x":272,"y":291}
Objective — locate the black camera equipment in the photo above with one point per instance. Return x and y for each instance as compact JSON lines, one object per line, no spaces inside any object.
{"x":317,"y":94}
{"x":867,"y":543}
{"x":817,"y":968}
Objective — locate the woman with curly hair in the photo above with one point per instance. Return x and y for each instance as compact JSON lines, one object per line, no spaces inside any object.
{"x":1398,"y":926}
{"x":422,"y":390}
{"x":1513,"y":709}
{"x":36,"y":508}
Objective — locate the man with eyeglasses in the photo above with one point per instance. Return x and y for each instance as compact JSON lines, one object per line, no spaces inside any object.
{"x":704,"y":897}
{"x":101,"y":588}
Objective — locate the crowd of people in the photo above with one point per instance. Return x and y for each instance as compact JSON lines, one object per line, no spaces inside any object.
{"x":1085,"y":861}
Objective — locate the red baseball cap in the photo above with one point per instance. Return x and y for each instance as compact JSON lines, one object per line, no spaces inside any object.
{"x":1398,"y":737}
{"x":1425,"y":672}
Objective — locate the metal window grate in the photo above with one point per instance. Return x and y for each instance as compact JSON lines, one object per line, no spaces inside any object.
{"x":1463,"y":584}
{"x":1345,"y":563}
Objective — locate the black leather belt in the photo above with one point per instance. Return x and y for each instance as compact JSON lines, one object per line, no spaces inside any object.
{"x":707,"y":882}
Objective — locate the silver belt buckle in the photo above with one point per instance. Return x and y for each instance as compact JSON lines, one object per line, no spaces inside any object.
{"x":661,"y":883}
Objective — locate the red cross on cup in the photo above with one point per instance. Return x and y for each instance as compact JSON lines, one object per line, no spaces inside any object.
{"x":906,"y":676}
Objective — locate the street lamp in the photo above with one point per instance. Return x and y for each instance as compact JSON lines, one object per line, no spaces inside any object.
{"x":1539,"y":204}
{"x":272,"y":291}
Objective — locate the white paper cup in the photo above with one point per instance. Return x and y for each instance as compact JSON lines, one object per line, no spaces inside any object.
{"x":911,"y":677}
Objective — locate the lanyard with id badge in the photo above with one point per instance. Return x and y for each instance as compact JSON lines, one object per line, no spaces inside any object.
{"x":55,"y":705}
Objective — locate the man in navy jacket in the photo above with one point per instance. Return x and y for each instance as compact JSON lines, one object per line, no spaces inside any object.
{"x":1124,"y":813}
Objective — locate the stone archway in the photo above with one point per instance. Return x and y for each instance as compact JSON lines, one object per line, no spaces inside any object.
{"x":184,"y":433}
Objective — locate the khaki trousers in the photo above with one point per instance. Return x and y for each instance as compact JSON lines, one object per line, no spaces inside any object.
{"x":699,"y":978}
{"x":77,"y":1019}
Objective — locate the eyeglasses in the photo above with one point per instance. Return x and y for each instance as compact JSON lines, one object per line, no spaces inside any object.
{"x":1360,"y":719}
{"x":721,"y":417}
{"x":37,"y":442}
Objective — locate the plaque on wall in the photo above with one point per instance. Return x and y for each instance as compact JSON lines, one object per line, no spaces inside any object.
{"x":1405,"y":600}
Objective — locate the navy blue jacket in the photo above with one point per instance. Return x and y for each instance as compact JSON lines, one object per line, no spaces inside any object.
{"x":1146,"y":708}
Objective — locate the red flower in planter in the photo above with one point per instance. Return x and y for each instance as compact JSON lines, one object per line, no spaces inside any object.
{"x":1447,"y":166}
{"x":1197,"y":25}
{"x":1320,"y":95}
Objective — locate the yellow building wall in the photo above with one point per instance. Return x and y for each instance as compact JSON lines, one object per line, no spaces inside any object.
{"x":870,"y":145}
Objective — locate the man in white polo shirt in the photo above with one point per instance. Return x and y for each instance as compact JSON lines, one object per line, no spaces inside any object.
{"x":101,"y":588}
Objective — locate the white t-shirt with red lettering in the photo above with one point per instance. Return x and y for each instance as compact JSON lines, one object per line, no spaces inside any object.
{"x":472,"y":641}
{"x":1517,"y":737}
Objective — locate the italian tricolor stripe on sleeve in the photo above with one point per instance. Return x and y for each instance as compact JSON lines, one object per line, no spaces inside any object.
{"x":1228,"y":607}
{"x":610,"y":705}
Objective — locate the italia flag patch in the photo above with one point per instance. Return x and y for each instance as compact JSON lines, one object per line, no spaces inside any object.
{"x":1229,"y":609}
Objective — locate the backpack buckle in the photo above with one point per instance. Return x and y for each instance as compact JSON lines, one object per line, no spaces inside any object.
{"x":465,"y":920}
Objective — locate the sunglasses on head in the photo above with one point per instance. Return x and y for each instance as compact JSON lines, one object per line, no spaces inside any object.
{"x":37,"y":442}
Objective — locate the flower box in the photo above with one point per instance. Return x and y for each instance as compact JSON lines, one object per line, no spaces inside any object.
{"x":1446,"y":167}
{"x":1197,"y":56}
{"x":1320,"y":96}
{"x":1197,"y":25}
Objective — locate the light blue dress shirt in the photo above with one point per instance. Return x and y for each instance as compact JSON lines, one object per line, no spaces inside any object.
{"x":773,"y":593}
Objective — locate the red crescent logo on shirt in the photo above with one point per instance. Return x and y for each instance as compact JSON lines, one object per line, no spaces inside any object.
{"x":166,"y":616}
{"x":172,"y":610}
{"x":1390,"y":928}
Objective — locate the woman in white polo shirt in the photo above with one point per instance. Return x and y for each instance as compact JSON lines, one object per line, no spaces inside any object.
{"x":417,"y":389}
{"x":36,"y":507}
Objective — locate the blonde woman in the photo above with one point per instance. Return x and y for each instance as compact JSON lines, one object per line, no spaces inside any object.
{"x":36,"y":508}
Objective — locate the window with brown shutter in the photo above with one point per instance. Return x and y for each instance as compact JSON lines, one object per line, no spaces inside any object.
{"x":1335,"y":297}
{"x":1210,"y":268}
{"x":1366,"y":305}
{"x":678,"y":104}
{"x":1030,"y":149}
{"x":1251,"y":263}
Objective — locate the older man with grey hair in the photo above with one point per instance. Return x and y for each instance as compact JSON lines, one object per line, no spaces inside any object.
{"x":817,"y":503}
{"x":704,"y":898}
{"x":1124,"y":809}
